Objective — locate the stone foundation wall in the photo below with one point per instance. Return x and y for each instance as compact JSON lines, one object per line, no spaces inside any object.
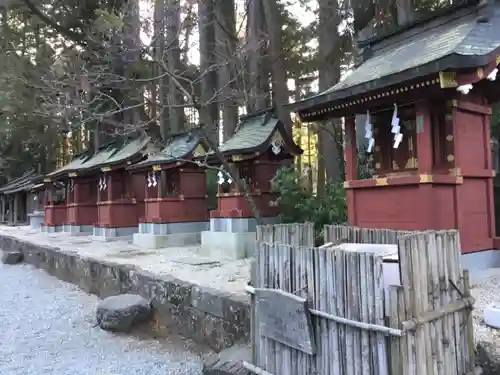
{"x":206,"y":316}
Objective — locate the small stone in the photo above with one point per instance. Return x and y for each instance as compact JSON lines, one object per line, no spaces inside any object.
{"x":12,"y":257}
{"x":122,"y":312}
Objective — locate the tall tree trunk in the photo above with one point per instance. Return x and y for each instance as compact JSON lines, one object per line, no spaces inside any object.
{"x":405,"y":11}
{"x":257,"y":88}
{"x":175,"y":98}
{"x":226,"y":38}
{"x":298,"y":126}
{"x":132,"y":44}
{"x":209,"y":111}
{"x":159,"y":68}
{"x":5,"y":27}
{"x":330,"y":140}
{"x":279,"y":75}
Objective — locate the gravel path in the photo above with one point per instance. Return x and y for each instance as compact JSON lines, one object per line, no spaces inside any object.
{"x":48,"y":327}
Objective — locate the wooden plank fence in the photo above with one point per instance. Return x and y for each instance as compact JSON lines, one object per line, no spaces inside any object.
{"x":288,"y":234}
{"x":343,"y":233}
{"x":321,"y":310}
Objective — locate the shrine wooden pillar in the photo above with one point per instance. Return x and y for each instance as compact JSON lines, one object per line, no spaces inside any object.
{"x":3,"y":209}
{"x":16,"y":209}
{"x":77,"y":192}
{"x":111,"y":188}
{"x":351,"y":171}
{"x":423,"y":125}
{"x":489,"y":166}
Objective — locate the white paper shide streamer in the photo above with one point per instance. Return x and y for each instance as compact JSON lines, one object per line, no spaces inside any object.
{"x":151,"y":180}
{"x":369,"y":133}
{"x":493,"y":75}
{"x":396,"y":128}
{"x":223,"y":177}
{"x":102,"y":183}
{"x":465,"y":89}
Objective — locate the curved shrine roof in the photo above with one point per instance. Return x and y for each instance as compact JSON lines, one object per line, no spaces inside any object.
{"x":179,"y":147}
{"x":118,"y":152}
{"x":255,"y":133}
{"x":23,"y":183}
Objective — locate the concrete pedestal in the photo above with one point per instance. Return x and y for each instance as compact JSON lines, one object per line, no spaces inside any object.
{"x":231,"y":238}
{"x":156,"y":236}
{"x":112,"y":234}
{"x":51,"y":229}
{"x":36,"y":219}
{"x":227,"y":246}
{"x":78,"y":230}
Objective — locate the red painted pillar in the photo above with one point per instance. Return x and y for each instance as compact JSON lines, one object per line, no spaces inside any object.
{"x":77,"y":191}
{"x":111,"y":187}
{"x":425,"y":163}
{"x":424,"y":137}
{"x":351,"y":171}
{"x":489,"y":166}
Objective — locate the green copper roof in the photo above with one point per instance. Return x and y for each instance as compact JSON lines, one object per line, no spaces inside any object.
{"x":251,"y":133}
{"x":128,"y":151}
{"x":179,"y":147}
{"x":254,"y":134}
{"x":117,"y":152}
{"x":73,"y":165}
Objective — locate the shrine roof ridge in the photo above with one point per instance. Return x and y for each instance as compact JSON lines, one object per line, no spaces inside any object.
{"x":425,"y":19}
{"x":179,"y":147}
{"x":115,"y":152}
{"x":130,"y":149}
{"x":460,"y":40}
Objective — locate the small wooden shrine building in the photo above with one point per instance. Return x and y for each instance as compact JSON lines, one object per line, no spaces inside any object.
{"x":16,"y":199}
{"x":115,"y":212}
{"x":258,"y":148}
{"x":426,"y":90}
{"x":173,"y":191}
{"x":68,"y":198}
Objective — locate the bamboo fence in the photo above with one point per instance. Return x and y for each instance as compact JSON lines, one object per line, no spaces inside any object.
{"x":426,"y":327}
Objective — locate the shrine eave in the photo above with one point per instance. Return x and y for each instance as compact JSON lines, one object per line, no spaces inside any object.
{"x":23,"y":183}
{"x":335,"y":101}
{"x":72,"y":166}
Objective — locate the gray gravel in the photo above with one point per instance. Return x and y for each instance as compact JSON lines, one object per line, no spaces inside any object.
{"x":48,"y":327}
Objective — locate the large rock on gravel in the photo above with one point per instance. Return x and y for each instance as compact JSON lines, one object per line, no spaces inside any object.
{"x":12,"y":257}
{"x":123,"y":312}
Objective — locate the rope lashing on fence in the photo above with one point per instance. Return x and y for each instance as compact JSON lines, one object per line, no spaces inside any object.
{"x":365,"y":326}
{"x":413,"y":324}
{"x":254,"y":369}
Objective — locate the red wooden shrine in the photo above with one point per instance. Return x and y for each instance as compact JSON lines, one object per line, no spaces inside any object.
{"x":259,"y":147}
{"x":82,"y":200}
{"x":59,"y":197}
{"x":440,"y":175}
{"x":116,"y":194}
{"x":55,"y":205}
{"x":172,"y":186}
